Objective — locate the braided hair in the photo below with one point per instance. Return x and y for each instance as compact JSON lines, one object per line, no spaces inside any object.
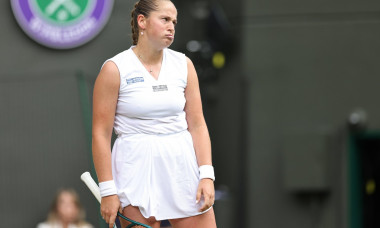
{"x":144,"y":7}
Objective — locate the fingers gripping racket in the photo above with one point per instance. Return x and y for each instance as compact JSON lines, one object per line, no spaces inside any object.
{"x":94,"y":188}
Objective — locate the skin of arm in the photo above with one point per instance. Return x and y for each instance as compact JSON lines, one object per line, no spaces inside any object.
{"x":106,"y":91}
{"x":199,"y":132}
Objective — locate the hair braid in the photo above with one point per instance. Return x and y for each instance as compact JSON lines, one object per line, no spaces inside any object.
{"x":134,"y":25}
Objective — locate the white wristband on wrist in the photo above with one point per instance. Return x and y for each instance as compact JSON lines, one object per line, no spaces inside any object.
{"x":206,"y":171}
{"x":107,"y":188}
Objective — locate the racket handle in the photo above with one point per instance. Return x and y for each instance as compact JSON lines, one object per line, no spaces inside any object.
{"x":94,"y":188}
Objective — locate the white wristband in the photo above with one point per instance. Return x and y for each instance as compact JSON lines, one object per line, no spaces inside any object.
{"x":206,"y":171}
{"x":107,"y":188}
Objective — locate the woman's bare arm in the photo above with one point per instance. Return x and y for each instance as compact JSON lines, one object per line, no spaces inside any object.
{"x":199,"y":132}
{"x":106,"y":91}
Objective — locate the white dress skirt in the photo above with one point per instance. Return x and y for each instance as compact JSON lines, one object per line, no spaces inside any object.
{"x":157,"y":173}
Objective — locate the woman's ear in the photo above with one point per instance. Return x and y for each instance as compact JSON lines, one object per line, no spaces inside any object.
{"x":141,"y":21}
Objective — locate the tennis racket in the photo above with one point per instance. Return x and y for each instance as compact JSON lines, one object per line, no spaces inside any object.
{"x":94,"y":188}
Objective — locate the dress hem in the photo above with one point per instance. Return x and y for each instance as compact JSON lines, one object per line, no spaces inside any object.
{"x":172,"y":217}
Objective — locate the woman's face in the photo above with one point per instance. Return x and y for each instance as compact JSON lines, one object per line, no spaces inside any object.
{"x":160,"y":25}
{"x":66,"y":208}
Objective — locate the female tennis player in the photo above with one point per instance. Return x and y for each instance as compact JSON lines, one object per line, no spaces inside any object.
{"x":160,"y":167}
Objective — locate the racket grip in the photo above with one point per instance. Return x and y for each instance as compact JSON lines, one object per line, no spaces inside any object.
{"x":94,"y":188}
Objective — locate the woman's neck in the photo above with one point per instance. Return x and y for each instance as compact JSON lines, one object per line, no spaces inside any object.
{"x":149,"y":55}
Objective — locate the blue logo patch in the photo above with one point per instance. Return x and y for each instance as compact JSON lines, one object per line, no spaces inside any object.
{"x":134,"y":80}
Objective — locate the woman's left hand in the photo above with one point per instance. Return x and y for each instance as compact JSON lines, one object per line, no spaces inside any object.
{"x":206,"y":189}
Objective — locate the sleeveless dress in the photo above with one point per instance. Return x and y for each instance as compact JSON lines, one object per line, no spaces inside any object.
{"x":153,"y":160}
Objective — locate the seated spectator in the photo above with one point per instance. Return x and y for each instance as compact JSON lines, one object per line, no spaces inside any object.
{"x":66,"y":211}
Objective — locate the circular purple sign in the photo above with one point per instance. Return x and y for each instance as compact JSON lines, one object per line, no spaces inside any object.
{"x":62,"y":24}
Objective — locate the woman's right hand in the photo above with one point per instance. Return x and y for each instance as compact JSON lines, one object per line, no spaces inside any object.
{"x":109,"y":207}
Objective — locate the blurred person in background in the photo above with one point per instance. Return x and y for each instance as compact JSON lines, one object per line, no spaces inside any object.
{"x":66,"y":211}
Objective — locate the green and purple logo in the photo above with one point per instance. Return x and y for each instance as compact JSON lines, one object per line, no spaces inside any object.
{"x":62,"y":24}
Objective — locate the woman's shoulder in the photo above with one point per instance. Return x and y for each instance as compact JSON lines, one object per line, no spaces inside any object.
{"x":119,"y":61}
{"x":174,"y":53}
{"x":176,"y":57}
{"x":121,"y":55}
{"x":43,"y":225}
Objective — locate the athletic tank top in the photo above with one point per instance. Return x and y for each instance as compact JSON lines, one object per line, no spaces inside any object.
{"x":146,"y":105}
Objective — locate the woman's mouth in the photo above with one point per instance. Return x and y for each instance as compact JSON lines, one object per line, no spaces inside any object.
{"x":170,"y":36}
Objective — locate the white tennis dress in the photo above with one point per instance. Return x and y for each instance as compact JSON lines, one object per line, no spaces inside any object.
{"x":153,"y":160}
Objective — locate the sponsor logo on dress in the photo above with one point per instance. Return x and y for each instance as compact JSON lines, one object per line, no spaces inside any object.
{"x":62,"y":24}
{"x":134,"y":80}
{"x":160,"y":88}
